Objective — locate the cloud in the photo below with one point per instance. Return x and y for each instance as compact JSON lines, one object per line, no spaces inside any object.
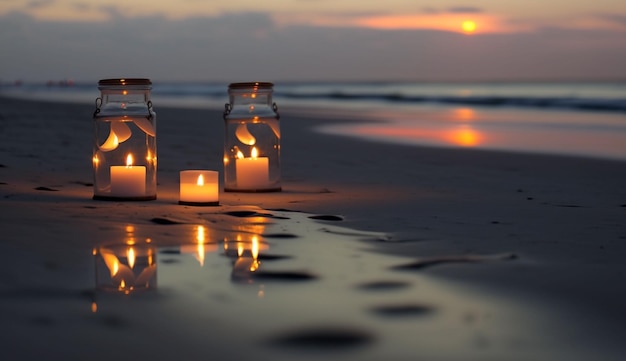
{"x":81,"y":6}
{"x":36,"y":4}
{"x":452,"y":10}
{"x":245,"y":46}
{"x":618,"y":19}
{"x":464,"y":10}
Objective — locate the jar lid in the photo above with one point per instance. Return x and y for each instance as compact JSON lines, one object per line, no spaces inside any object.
{"x":246,"y":85}
{"x":125,"y":81}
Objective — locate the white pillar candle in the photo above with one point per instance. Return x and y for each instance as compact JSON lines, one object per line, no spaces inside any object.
{"x":199,"y":187}
{"x":252,"y":172}
{"x":128,"y":180}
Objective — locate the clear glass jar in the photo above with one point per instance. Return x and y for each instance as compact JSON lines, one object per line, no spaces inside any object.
{"x":252,"y":140}
{"x":124,"y":152}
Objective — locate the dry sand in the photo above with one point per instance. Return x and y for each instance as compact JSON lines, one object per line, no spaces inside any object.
{"x":463,"y":254}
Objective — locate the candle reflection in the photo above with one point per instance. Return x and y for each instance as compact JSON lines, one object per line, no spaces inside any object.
{"x":200,"y":246}
{"x":125,"y":267}
{"x":244,"y":249}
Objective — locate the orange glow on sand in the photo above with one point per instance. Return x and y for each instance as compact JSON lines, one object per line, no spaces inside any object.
{"x":464,"y":137}
{"x":463,"y":114}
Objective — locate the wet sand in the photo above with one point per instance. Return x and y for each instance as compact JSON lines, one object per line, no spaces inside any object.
{"x":371,"y":251}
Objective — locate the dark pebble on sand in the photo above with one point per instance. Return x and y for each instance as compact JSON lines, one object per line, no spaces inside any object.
{"x":160,"y":220}
{"x":280,"y":235}
{"x":169,"y":251}
{"x":46,"y":189}
{"x":283,"y":276}
{"x":383,"y":285}
{"x":169,"y":261}
{"x":326,"y":217}
{"x":429,"y":262}
{"x":402,"y":310}
{"x":325,"y":338}
{"x":245,"y":214}
{"x":272,"y":257}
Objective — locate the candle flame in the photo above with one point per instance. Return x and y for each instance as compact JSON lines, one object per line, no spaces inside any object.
{"x":254,"y":153}
{"x":200,"y":180}
{"x":129,"y":160}
{"x":239,"y":154}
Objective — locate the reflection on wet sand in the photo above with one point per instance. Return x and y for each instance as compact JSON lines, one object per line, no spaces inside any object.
{"x":244,"y":250}
{"x":307,"y":283}
{"x":556,"y":132}
{"x":127,"y":267}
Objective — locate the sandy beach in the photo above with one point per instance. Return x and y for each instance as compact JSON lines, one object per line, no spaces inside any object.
{"x":373,"y":250}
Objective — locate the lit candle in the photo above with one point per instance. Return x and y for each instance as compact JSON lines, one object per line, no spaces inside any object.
{"x":253,"y":172}
{"x":199,"y":188}
{"x":128,"y":180}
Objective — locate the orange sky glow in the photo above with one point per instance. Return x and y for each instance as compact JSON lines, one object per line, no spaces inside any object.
{"x":488,"y":15}
{"x":427,"y":40}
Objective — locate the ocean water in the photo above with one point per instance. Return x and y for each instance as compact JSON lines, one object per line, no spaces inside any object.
{"x":572,"y":118}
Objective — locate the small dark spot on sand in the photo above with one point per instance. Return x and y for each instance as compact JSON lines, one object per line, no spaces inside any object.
{"x":495,"y":222}
{"x":280,"y":235}
{"x":327,"y":217}
{"x":272,"y":257}
{"x":324,"y":338}
{"x":246,"y":214}
{"x":83,"y":183}
{"x":283,"y":276}
{"x":4,"y":183}
{"x":401,"y":240}
{"x":568,"y":205}
{"x":383,"y":285}
{"x":529,"y":198}
{"x":169,"y":261}
{"x":90,"y":207}
{"x":282,"y":210}
{"x":623,"y":205}
{"x":429,"y":262}
{"x":402,"y":310}
{"x":161,"y":220}
{"x":46,"y":189}
{"x":169,"y":251}
{"x":2,"y":166}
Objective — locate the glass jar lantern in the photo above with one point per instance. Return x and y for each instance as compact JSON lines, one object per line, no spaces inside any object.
{"x":252,"y":140}
{"x":124,"y":152}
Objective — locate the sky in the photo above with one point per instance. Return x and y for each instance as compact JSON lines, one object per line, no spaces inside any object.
{"x":313,"y":40}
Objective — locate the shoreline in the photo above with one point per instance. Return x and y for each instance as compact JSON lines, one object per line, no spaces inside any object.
{"x":561,"y":216}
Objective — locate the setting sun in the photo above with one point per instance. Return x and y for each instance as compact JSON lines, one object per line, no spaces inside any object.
{"x":468,"y":26}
